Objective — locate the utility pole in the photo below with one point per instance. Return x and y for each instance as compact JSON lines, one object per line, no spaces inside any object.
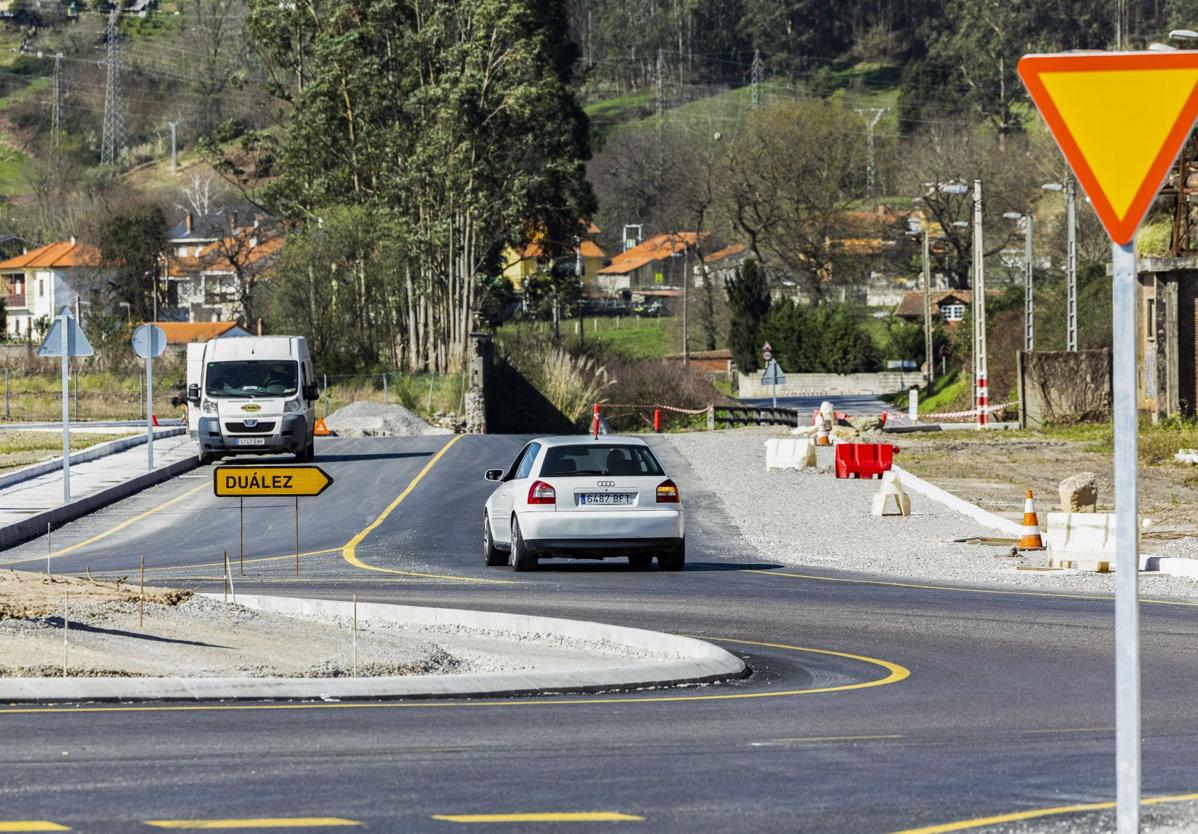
{"x":757,"y":75}
{"x":1029,"y":329}
{"x":1071,"y":265}
{"x":871,"y":121}
{"x":113,"y":145}
{"x":930,"y":360}
{"x":661,"y":93}
{"x":56,"y":116}
{"x":174,"y":147}
{"x":981,"y":389}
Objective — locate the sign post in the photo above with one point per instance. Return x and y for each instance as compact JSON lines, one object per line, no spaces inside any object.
{"x":773,"y":376}
{"x":149,"y":341}
{"x":1120,"y":119}
{"x":65,"y":339}
{"x":243,"y":482}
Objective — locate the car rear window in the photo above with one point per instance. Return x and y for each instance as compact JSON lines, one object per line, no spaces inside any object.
{"x":599,"y":459}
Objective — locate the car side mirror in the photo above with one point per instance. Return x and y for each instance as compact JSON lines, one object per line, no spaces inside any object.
{"x":494,"y":475}
{"x":311,"y":393}
{"x":193,"y":394}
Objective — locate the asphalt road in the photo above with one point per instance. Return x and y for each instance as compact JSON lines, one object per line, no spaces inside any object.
{"x":1007,"y":704}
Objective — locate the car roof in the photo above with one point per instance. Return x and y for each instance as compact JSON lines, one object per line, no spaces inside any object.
{"x":583,"y":439}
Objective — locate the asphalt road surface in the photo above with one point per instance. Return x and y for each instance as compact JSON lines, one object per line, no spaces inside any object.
{"x":873,"y":706}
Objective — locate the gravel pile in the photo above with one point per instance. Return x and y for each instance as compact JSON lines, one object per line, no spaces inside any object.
{"x":370,"y":419}
{"x":809,"y":518}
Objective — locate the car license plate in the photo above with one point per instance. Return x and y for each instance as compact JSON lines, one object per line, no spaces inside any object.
{"x":606,"y":498}
{"x":251,"y":441}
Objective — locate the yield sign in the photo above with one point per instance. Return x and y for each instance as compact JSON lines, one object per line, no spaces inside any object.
{"x":1120,"y":119}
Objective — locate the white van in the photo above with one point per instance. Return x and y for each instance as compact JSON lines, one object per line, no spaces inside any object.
{"x":251,"y":395}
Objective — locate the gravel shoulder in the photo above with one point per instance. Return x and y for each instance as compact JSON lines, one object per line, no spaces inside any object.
{"x":809,"y":518}
{"x":98,"y":628}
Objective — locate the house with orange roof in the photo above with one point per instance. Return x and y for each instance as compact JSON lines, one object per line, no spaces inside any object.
{"x":519,"y":264}
{"x":215,"y":260}
{"x":179,"y":334}
{"x":38,"y":282}
{"x":654,"y":266}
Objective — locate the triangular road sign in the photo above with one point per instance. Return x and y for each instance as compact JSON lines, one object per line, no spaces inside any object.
{"x":77,"y":343}
{"x":1120,"y":118}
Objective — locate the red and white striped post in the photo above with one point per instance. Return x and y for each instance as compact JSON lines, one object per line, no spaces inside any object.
{"x":657,"y":420}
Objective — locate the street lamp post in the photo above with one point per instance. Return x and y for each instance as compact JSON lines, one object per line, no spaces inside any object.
{"x":943,"y":188}
{"x":1029,"y":338}
{"x":981,"y":382}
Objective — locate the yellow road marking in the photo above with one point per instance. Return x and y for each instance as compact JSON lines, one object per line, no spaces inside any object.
{"x":895,"y":673}
{"x":1036,"y":813}
{"x":998,"y":591}
{"x":573,"y":816}
{"x":350,"y":554}
{"x":261,"y":822}
{"x":31,"y":825}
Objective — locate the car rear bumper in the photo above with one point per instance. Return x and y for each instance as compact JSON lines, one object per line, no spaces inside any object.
{"x":600,"y":548}
{"x":602,"y":530}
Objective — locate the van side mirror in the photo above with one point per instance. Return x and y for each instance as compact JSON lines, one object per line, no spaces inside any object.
{"x":494,"y":475}
{"x":193,"y":394}
{"x":311,"y":393}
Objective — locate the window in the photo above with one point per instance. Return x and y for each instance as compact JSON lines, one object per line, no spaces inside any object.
{"x":952,"y":312}
{"x":1150,"y":321}
{"x":599,"y":459}
{"x":252,"y":378}
{"x":530,"y":454}
{"x":41,"y":287}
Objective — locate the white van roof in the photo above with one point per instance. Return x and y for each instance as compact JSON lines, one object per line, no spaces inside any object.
{"x":257,"y":347}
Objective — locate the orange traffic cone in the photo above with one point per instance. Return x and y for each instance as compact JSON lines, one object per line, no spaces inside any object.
{"x":1030,"y":540}
{"x":821,"y":431}
{"x":321,"y":429}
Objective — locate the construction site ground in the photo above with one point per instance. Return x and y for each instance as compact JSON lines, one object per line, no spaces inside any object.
{"x":993,"y":470}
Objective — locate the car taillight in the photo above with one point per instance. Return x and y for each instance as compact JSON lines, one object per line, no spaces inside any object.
{"x":541,"y":493}
{"x":667,"y":493}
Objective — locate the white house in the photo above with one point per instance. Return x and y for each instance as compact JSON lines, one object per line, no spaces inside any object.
{"x":39,"y":282}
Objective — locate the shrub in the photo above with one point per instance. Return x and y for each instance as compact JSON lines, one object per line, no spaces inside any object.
{"x":572,"y":383}
{"x":826,"y":338}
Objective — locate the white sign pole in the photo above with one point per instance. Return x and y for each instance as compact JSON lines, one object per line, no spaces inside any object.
{"x":1127,"y":541}
{"x":66,"y":413}
{"x":150,"y":408}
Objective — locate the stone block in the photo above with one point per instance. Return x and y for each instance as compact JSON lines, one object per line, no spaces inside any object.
{"x":1079,"y":493}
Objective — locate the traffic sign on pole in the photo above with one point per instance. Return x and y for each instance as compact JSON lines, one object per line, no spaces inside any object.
{"x":246,"y":481}
{"x":65,"y":339}
{"x":1120,"y":119}
{"x":149,"y":341}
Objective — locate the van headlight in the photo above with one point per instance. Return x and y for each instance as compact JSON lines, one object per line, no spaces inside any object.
{"x":209,"y":407}
{"x":290,"y":406}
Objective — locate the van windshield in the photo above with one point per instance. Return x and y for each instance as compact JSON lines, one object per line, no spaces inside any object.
{"x":252,"y":378}
{"x":599,"y":459}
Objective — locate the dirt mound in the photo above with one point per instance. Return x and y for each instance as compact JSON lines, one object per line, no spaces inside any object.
{"x":25,"y":596}
{"x":369,"y":419}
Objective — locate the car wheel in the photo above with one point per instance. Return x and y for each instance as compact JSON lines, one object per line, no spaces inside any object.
{"x":640,"y":561}
{"x":205,"y":458}
{"x":492,"y":555}
{"x":673,"y":559}
{"x":520,"y":559}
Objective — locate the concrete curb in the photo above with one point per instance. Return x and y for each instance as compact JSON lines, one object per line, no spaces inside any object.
{"x":690,"y":661}
{"x":960,"y":505}
{"x":35,"y":525}
{"x":100,"y":450}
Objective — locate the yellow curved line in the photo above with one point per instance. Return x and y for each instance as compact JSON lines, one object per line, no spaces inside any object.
{"x":1036,"y":813}
{"x":895,"y":673}
{"x":998,"y":591}
{"x":349,"y":551}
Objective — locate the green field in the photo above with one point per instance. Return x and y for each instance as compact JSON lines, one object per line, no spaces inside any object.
{"x":634,"y":337}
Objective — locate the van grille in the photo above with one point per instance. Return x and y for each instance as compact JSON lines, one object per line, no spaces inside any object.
{"x":260,"y":428}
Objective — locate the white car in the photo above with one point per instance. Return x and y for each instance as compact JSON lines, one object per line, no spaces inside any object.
{"x":584,"y":498}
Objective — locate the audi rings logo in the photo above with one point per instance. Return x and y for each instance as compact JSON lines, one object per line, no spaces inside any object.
{"x":605,"y":483}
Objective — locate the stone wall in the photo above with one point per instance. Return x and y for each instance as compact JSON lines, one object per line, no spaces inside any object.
{"x":1064,"y":387}
{"x":479,"y":379}
{"x":797,"y":385}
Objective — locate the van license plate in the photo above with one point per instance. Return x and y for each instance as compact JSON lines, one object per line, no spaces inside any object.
{"x":251,"y":441}
{"x":606,"y":498}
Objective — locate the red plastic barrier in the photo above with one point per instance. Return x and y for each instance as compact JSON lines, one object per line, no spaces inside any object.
{"x":838,"y":416}
{"x":863,"y":460}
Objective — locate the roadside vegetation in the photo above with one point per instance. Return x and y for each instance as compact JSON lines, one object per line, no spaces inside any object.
{"x":22,"y":448}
